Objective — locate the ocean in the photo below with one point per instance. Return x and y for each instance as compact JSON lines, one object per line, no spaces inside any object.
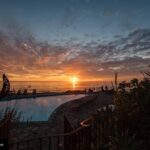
{"x":57,"y":86}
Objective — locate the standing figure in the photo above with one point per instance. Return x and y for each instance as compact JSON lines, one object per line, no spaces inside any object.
{"x":102,"y":88}
{"x":106,"y":88}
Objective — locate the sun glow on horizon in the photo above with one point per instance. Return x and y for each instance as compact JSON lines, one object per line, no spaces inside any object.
{"x":74,"y":80}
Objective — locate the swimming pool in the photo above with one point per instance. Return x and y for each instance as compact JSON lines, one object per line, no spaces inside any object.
{"x":39,"y":109}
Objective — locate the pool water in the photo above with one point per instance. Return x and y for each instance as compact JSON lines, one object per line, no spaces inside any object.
{"x":38,"y":109}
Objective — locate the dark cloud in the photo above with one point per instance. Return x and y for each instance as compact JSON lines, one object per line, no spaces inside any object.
{"x":22,"y":54}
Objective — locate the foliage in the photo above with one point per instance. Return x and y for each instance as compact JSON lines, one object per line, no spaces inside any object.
{"x":124,"y":141}
{"x":15,"y":115}
{"x":132,"y":101}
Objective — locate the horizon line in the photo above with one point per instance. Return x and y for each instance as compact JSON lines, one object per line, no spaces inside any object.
{"x":59,"y":81}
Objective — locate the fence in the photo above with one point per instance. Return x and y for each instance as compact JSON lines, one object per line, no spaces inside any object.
{"x":93,"y":134}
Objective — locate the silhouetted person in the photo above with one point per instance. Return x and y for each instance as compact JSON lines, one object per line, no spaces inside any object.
{"x":90,"y":90}
{"x":106,"y":88}
{"x":34,"y":91}
{"x":25,"y":91}
{"x":102,"y":88}
{"x":19,"y":92}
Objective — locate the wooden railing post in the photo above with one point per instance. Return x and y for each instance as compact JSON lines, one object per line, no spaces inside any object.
{"x":49,"y":142}
{"x":18,"y":145}
{"x":40,"y":141}
{"x":58,"y":142}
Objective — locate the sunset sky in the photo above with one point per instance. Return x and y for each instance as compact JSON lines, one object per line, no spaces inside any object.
{"x":91,"y":39}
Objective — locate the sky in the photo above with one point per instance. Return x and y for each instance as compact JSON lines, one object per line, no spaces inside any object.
{"x":52,"y":40}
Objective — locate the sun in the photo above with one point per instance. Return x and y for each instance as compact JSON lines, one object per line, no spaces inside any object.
{"x":74,"y":80}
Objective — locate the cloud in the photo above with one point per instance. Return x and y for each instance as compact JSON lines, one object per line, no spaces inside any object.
{"x":22,"y":56}
{"x":127,"y":54}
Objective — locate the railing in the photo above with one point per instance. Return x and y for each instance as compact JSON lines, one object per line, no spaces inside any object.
{"x":67,"y":141}
{"x":93,"y":134}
